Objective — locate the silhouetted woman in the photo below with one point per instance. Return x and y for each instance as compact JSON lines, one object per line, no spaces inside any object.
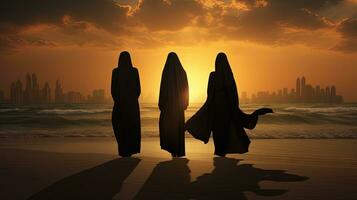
{"x":221,"y":113}
{"x":125,"y":91}
{"x":173,"y":101}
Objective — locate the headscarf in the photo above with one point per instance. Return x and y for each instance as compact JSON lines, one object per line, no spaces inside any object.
{"x":124,"y":61}
{"x":173,"y":81}
{"x":224,"y":76}
{"x":224,"y":79}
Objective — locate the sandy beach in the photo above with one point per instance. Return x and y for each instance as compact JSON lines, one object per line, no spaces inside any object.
{"x":88,"y":168}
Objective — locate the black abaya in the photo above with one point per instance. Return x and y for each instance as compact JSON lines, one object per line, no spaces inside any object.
{"x":125,"y":89}
{"x":173,"y":101}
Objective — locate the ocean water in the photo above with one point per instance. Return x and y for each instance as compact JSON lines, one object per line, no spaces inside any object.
{"x":83,"y":120}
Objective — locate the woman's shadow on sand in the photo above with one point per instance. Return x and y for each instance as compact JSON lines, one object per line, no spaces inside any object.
{"x":100,"y":182}
{"x":169,"y":180}
{"x":228,"y":180}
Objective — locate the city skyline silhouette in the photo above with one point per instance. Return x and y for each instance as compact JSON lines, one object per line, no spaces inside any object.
{"x":18,"y":93}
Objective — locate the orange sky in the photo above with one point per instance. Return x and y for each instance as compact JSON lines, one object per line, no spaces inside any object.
{"x":268,"y":43}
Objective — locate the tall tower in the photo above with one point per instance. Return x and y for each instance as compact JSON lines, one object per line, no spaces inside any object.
{"x":333,"y":91}
{"x":28,"y":82}
{"x":18,"y":92}
{"x":322,"y":93}
{"x":58,"y":92}
{"x":28,"y":90}
{"x":298,"y":88}
{"x":34,"y":81}
{"x":46,"y":93}
{"x":35,"y":89}
{"x":303,"y":87}
{"x":328,"y":94}
{"x":317,"y":91}
{"x":328,"y":91}
{"x":13,"y":93}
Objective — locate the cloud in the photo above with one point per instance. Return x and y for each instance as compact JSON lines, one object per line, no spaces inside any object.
{"x":82,"y":17}
{"x":170,"y":15}
{"x":346,"y":46}
{"x":152,"y":23}
{"x":105,"y":14}
{"x":9,"y":44}
{"x":267,"y":21}
{"x":348,"y":30}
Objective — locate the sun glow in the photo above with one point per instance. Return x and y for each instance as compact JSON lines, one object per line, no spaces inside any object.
{"x":198,"y":64}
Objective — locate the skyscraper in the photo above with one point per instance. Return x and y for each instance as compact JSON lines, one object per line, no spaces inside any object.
{"x":34,"y":81}
{"x":58,"y":93}
{"x":308,"y":93}
{"x":46,"y":93}
{"x":285,"y":92}
{"x":322,"y":92}
{"x":28,"y":90}
{"x":13,"y":93}
{"x":98,"y":96}
{"x":317,"y":91}
{"x":74,"y":97}
{"x":35,"y":89}
{"x":16,"y":94}
{"x":244,"y":98}
{"x":328,"y":91}
{"x":303,"y":87}
{"x":19,"y":92}
{"x":333,"y":91}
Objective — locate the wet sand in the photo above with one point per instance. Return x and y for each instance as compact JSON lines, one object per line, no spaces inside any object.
{"x":88,"y":168}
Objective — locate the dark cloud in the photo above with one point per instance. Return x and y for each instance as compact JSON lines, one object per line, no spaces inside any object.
{"x":267,"y":21}
{"x":105,"y":14}
{"x":105,"y":22}
{"x":168,"y":14}
{"x":308,"y":4}
{"x":346,"y":46}
{"x":71,"y":17}
{"x":348,"y":30}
